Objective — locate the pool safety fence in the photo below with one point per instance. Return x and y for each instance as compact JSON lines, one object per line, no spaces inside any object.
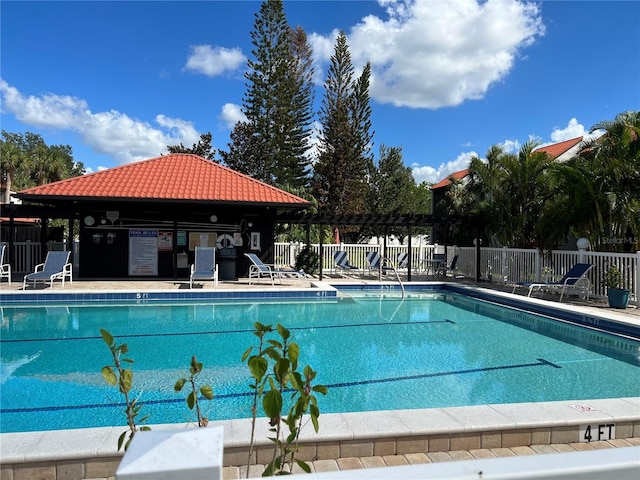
{"x":497,"y":265}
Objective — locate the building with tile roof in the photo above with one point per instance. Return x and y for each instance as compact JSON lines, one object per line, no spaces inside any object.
{"x":145,"y":218}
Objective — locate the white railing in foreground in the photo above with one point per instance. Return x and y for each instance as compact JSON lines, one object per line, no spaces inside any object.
{"x":499,"y":265}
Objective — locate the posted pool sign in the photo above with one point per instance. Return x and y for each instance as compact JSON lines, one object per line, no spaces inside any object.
{"x":597,"y":432}
{"x":143,"y":252}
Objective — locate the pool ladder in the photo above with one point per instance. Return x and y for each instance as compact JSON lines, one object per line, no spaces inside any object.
{"x":387,"y":264}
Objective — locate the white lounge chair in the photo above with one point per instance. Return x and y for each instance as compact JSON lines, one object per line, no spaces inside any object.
{"x":259,"y":269}
{"x":5,"y":268}
{"x":56,"y":266}
{"x":204,"y":266}
{"x":575,"y":280}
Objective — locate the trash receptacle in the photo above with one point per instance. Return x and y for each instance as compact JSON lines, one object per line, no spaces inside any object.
{"x":227,"y":263}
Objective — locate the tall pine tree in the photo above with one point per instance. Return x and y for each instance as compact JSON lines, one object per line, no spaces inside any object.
{"x":277,"y":104}
{"x":340,"y":180}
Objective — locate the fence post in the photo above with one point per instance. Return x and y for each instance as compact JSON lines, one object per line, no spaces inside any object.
{"x":538,"y":265}
{"x":505,"y":266}
{"x":637,"y":292}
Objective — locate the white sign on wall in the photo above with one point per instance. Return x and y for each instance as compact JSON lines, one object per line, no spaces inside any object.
{"x":143,"y":252}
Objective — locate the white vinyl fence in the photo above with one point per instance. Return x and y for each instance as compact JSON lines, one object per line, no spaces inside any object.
{"x":499,"y":265}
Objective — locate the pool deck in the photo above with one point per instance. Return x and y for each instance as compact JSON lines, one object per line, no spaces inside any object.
{"x":354,"y":440}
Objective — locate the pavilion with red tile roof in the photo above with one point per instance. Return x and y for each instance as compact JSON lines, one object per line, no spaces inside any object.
{"x":156,"y":211}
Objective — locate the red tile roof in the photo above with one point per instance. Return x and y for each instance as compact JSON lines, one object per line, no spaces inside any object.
{"x":175,"y":177}
{"x":557,"y":149}
{"x":447,"y":181}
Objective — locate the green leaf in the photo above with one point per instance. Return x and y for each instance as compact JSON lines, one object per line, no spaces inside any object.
{"x":109,"y":376}
{"x":179,"y":384}
{"x":284,"y":333}
{"x":272,"y":403}
{"x":246,"y":353}
{"x":191,"y":400}
{"x":258,"y":367}
{"x":281,"y":368}
{"x":126,"y":381}
{"x":304,"y":466}
{"x":108,"y":339}
{"x":320,"y":389}
{"x":121,"y":439}
{"x":207,"y":392}
{"x":293,"y":353}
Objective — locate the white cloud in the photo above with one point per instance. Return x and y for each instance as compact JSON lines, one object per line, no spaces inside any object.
{"x":212,"y":61}
{"x":112,"y":133}
{"x":572,"y":130}
{"x":434,"y":175}
{"x":510,"y":146}
{"x":428,"y":54}
{"x":231,"y":114}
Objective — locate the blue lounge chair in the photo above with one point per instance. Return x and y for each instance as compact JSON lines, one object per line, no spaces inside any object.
{"x":574,"y":280}
{"x":403,"y":260}
{"x":259,"y":269}
{"x":376,"y":263}
{"x":5,"y":268}
{"x":341,"y":260}
{"x":445,"y":268}
{"x":56,"y":266}
{"x":204,"y":266}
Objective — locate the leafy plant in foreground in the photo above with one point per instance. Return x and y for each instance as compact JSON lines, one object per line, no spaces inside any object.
{"x":192,"y":398}
{"x":283,"y":379}
{"x":123,"y":377}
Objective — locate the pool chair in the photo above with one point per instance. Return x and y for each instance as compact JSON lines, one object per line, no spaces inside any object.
{"x":56,"y":266}
{"x":574,"y":281}
{"x":343,"y":267}
{"x":377,"y":263}
{"x":444,"y":268}
{"x":259,"y":269}
{"x":403,"y":260}
{"x":204,"y":266}
{"x":5,"y":268}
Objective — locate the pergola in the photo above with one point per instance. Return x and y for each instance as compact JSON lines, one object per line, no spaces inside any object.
{"x":408,"y":221}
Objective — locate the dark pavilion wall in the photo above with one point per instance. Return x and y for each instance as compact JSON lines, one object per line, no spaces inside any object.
{"x":105,"y":248}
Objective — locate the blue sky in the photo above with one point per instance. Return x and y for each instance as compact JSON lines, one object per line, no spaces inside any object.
{"x":119,"y":81}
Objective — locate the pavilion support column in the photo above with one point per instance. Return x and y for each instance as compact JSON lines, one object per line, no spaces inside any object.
{"x":70,"y":241}
{"x":175,"y":249}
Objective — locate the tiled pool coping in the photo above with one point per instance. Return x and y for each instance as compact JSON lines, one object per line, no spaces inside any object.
{"x":92,"y":453}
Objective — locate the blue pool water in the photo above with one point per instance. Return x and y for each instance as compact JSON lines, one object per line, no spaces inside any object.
{"x":374,"y":353}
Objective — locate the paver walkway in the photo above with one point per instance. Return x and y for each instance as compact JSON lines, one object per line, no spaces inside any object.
{"x":233,"y":473}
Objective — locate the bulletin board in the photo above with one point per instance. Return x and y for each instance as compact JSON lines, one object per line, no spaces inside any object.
{"x":202,"y":239}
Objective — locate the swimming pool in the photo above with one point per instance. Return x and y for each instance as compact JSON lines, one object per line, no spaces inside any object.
{"x":378,"y":352}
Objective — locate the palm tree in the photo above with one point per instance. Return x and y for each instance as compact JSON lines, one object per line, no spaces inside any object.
{"x":510,"y":191}
{"x":612,"y":163}
{"x":12,"y":159}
